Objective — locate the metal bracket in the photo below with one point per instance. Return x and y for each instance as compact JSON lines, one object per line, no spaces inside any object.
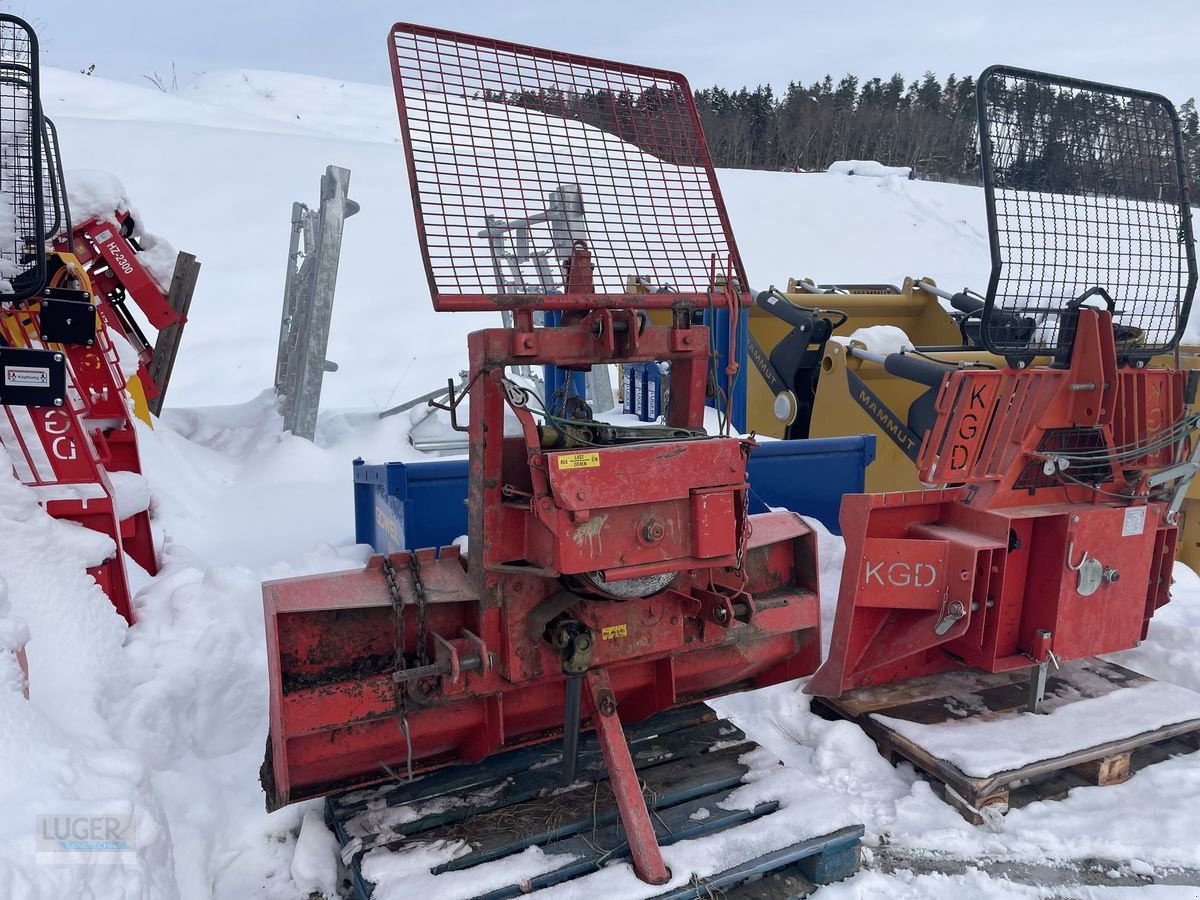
{"x":453,"y":401}
{"x":954,"y":611}
{"x":1182,"y":474}
{"x":1091,"y":571}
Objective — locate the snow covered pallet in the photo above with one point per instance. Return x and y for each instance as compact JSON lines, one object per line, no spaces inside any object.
{"x":970,"y":733}
{"x":688,"y":761}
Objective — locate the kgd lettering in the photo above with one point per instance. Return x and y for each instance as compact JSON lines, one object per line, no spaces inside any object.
{"x":901,"y":574}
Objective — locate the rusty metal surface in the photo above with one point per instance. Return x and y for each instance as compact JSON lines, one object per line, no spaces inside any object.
{"x":331,"y":639}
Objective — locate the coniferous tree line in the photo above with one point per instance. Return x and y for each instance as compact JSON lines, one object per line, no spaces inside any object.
{"x":927,"y":124}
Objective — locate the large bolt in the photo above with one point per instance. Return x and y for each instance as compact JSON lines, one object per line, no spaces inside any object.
{"x":653,"y":532}
{"x":721,"y":614}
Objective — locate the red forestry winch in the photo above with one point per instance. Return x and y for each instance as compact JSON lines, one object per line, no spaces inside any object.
{"x":1055,"y":536}
{"x":64,"y":421}
{"x":612,"y":572}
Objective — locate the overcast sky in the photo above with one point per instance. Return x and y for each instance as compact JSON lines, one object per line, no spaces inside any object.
{"x":1153,"y":44}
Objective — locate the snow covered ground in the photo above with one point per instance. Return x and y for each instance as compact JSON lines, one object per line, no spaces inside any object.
{"x":166,"y":721}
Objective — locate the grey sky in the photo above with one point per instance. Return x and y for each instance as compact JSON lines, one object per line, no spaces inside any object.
{"x":1152,"y":44}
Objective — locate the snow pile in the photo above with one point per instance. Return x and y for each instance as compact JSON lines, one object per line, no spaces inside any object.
{"x":92,"y":193}
{"x":881,"y":339}
{"x":869,"y":168}
{"x":314,"y":864}
{"x":987,"y":746}
{"x":14,"y":635}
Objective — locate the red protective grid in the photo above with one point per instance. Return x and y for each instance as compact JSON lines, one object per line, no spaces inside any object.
{"x":515,"y":153}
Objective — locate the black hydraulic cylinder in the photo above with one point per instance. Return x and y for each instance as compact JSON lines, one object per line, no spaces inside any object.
{"x":922,"y":371}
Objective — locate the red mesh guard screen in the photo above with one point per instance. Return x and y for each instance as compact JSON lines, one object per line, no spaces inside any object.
{"x":515,"y":154}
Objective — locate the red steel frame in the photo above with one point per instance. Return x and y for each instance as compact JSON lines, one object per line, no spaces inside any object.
{"x":425,"y":659}
{"x":112,"y":264}
{"x":742,"y":612}
{"x":991,"y":573}
{"x":65,"y":453}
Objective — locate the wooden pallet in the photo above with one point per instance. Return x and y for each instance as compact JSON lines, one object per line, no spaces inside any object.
{"x":955,"y":696}
{"x":512,"y":801}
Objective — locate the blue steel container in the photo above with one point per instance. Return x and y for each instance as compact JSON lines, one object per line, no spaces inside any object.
{"x":398,"y":506}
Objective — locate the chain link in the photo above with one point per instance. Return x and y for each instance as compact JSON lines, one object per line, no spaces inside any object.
{"x":419,"y":590}
{"x":400,"y":697}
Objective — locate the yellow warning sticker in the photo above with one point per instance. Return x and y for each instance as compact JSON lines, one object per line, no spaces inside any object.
{"x":578,"y":460}
{"x":614,"y":631}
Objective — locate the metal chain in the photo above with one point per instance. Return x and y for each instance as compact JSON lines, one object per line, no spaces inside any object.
{"x":419,"y":590}
{"x":745,"y":536}
{"x":400,"y":697}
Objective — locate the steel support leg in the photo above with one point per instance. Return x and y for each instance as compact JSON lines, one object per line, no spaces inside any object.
{"x":571,"y":722}
{"x":1043,"y":655}
{"x":1037,"y":687}
{"x":643,"y":845}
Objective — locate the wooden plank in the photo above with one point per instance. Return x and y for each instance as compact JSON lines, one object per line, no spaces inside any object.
{"x":861,"y":701}
{"x":1105,"y":771}
{"x":1100,"y":751}
{"x":166,"y":346}
{"x":1006,"y":690}
{"x":983,"y":786}
{"x":941,"y":698}
{"x":974,"y":808}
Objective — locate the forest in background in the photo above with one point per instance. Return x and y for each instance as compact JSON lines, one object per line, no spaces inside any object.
{"x":927,"y":124}
{"x":1044,"y":136}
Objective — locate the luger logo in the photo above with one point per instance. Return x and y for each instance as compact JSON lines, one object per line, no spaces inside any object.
{"x":900,"y":574}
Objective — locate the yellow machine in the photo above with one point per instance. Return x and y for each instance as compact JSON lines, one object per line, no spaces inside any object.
{"x":801,"y":382}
